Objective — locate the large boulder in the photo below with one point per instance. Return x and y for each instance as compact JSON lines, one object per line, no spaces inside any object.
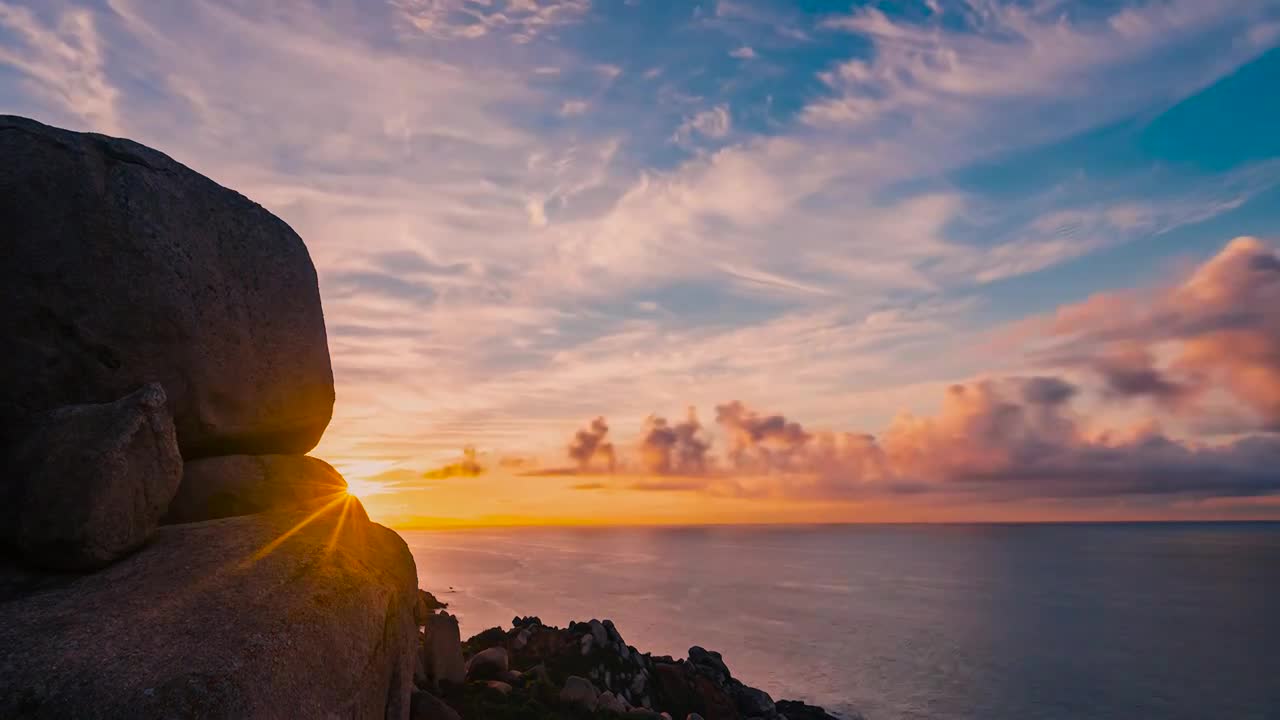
{"x":580,"y":692}
{"x":287,"y":614}
{"x":231,"y":485}
{"x":487,"y":664}
{"x":122,"y":266}
{"x":86,"y":484}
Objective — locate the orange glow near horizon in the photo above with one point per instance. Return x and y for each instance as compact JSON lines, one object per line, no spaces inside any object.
{"x":505,"y":500}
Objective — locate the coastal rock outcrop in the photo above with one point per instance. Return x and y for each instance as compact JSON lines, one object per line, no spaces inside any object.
{"x":124,"y":267}
{"x":231,"y":485}
{"x":274,"y":615}
{"x":552,"y":676}
{"x":86,"y":484}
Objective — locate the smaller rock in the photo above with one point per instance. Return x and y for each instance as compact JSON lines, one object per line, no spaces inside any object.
{"x":87,"y":484}
{"x":637,"y":684}
{"x":537,"y":673}
{"x":425,"y":706}
{"x":753,"y":702}
{"x":693,"y":716}
{"x":521,"y":639}
{"x":511,"y":677}
{"x":609,"y":702}
{"x":796,"y":710}
{"x":598,"y":633}
{"x":587,"y":643}
{"x":487,"y":664}
{"x":709,"y":658}
{"x":498,"y":686}
{"x":579,"y":691}
{"x":614,"y":635}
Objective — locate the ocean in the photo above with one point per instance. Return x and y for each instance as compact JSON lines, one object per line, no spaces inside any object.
{"x":1026,"y":622}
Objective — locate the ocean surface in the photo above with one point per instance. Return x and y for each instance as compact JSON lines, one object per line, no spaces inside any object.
{"x":1026,"y":622}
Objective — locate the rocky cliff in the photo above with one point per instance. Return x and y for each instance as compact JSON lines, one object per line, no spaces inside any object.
{"x":168,"y":550}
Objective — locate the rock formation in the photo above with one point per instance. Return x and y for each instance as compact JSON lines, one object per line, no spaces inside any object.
{"x":588,"y":671}
{"x":123,"y":267}
{"x":152,"y":316}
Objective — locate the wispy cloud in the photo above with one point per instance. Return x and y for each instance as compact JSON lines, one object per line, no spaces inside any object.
{"x":523,"y":20}
{"x":62,"y":60}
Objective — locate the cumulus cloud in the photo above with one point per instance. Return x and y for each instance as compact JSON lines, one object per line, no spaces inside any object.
{"x":743,"y":53}
{"x":760,"y":441}
{"x":1219,"y":329}
{"x":1002,"y":439}
{"x":589,"y":444}
{"x":674,"y":447}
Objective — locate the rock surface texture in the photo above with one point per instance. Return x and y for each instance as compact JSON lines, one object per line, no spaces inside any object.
{"x":123,"y":267}
{"x":235,"y":618}
{"x":232,"y":485}
{"x":86,"y":484}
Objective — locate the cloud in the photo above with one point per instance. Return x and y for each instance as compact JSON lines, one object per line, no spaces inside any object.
{"x":523,"y":20}
{"x":1014,"y":51}
{"x":570,"y":108}
{"x":679,"y":448}
{"x":1218,"y":329}
{"x":714,"y":124}
{"x":743,"y":53}
{"x":760,"y":442}
{"x":468,"y":466}
{"x":1007,"y":439}
{"x":64,"y":62}
{"x":589,"y":444}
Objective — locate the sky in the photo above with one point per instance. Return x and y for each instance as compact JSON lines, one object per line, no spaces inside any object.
{"x":667,"y":261}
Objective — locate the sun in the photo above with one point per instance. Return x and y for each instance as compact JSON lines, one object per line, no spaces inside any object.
{"x":358,"y":474}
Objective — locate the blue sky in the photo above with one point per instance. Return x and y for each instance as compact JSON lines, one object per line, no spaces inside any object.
{"x":528,"y":213}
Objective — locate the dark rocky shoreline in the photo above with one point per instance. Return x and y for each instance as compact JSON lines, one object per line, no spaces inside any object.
{"x":586,"y":670}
